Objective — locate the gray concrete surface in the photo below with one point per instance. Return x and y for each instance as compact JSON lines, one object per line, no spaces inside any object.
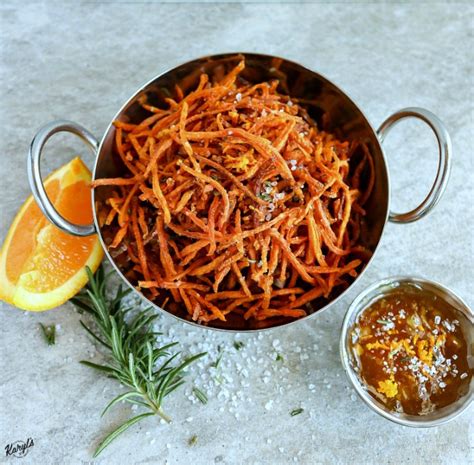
{"x":81,"y":60}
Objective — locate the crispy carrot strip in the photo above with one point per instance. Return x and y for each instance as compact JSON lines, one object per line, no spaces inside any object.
{"x":213,"y":183}
{"x":141,"y":221}
{"x":121,"y":151}
{"x":334,"y":269}
{"x":119,"y":237}
{"x":159,"y":195}
{"x":273,"y":312}
{"x":172,"y":285}
{"x":123,"y":214}
{"x":307,"y":297}
{"x":212,"y":223}
{"x":297,"y":265}
{"x":241,"y":279}
{"x":183,"y":201}
{"x":156,"y":155}
{"x":166,"y":259}
{"x":219,"y":277}
{"x":116,"y":181}
{"x":315,"y":240}
{"x":183,"y":138}
{"x":139,"y":241}
{"x":186,"y":300}
{"x":215,"y":310}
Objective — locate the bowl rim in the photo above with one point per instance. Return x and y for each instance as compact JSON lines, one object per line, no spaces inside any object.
{"x":357,"y":308}
{"x":223,"y":56}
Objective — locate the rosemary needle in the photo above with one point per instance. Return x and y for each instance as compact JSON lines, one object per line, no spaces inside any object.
{"x":238,"y":345}
{"x":200,"y":395}
{"x":296,"y":411}
{"x":49,"y":333}
{"x":149,"y":371}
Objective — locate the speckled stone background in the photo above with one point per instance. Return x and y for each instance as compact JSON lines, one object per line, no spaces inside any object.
{"x":82,"y":60}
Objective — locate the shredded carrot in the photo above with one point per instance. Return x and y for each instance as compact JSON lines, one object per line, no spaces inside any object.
{"x":234,"y":203}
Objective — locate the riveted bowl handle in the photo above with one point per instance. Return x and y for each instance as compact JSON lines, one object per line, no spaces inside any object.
{"x":36,"y":181}
{"x":444,"y":164}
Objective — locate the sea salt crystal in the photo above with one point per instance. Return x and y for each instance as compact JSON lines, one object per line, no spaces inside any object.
{"x":437,"y":320}
{"x":464,"y":375}
{"x":290,"y":103}
{"x":448,"y":326}
{"x":238,"y":97}
{"x":442,"y":385}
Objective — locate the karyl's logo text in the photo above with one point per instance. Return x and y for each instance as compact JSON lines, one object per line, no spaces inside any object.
{"x":19,"y":448}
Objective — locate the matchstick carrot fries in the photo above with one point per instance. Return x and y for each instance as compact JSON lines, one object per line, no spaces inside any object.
{"x":235,"y":206}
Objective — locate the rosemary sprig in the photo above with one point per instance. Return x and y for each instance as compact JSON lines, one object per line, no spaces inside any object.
{"x":150,"y":372}
{"x":49,"y":333}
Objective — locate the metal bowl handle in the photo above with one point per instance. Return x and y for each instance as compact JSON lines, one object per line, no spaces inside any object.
{"x":444,"y":165}
{"x":36,"y":181}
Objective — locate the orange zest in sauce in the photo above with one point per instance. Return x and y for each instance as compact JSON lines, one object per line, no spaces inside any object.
{"x":411,"y":352}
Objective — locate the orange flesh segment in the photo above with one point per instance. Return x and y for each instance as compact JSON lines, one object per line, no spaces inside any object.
{"x":58,"y":255}
{"x":24,"y":242}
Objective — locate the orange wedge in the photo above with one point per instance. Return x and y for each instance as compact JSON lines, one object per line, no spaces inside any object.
{"x":41,"y":267}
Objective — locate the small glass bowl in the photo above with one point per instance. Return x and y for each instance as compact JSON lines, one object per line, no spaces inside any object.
{"x":362,"y":302}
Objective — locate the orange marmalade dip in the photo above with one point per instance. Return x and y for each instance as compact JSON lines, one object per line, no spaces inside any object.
{"x":411,"y":352}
